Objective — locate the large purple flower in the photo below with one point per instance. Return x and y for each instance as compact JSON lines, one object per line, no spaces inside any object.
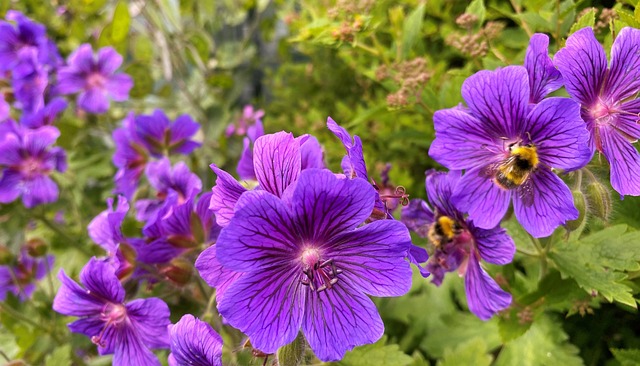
{"x":194,"y":342}
{"x":20,"y":277}
{"x":25,"y":36}
{"x":309,"y":265}
{"x":608,"y":99}
{"x":95,"y":78}
{"x":508,"y":150}
{"x":459,"y":244}
{"x":28,"y":160}
{"x":128,"y":331}
{"x":161,"y":137}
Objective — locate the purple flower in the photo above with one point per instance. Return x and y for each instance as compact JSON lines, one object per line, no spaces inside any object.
{"x":19,"y":278}
{"x":309,"y":264}
{"x":95,"y":78}
{"x":127,"y":330}
{"x":28,"y":160}
{"x":161,"y":137}
{"x":544,"y":78}
{"x":44,"y":116}
{"x":194,"y":342}
{"x":459,"y":244}
{"x":508,"y":150}
{"x":244,"y":124}
{"x":26,"y":36}
{"x":608,"y":99}
{"x":29,"y":81}
{"x":130,"y":157}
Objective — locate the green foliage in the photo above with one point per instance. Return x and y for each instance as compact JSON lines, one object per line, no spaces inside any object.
{"x":376,"y":354}
{"x":472,"y":352}
{"x":627,"y":357}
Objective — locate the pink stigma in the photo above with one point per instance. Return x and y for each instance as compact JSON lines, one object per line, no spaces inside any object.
{"x":96,"y":80}
{"x":599,"y":110}
{"x":310,"y":257}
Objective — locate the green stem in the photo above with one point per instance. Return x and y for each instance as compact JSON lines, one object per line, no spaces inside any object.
{"x":4,"y":355}
{"x":66,"y":236}
{"x":526,"y":252}
{"x":16,"y":314}
{"x":518,"y":11}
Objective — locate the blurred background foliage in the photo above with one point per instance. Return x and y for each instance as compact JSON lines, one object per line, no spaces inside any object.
{"x":381,"y":69}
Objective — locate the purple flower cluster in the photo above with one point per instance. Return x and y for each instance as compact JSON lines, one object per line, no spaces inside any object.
{"x":18,"y":278}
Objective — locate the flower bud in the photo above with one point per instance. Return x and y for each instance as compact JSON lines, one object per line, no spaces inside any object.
{"x":36,"y":247}
{"x":599,"y":198}
{"x":6,"y":257}
{"x":179,"y":271}
{"x":580,"y":201}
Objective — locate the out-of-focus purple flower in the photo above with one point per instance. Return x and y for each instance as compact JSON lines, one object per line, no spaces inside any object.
{"x":459,"y":244}
{"x":161,"y":137}
{"x":309,"y":265}
{"x":508,"y":150}
{"x":29,"y":81}
{"x":26,"y":36}
{"x":248,"y":118}
{"x":20,"y":277}
{"x":45,"y":116}
{"x":194,"y":342}
{"x":28,"y":160}
{"x":127,"y":330}
{"x":544,"y":78}
{"x":608,"y":99}
{"x":95,"y":77}
{"x":130,"y":157}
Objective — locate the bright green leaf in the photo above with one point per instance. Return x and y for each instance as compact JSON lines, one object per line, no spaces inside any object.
{"x":377,"y":354}
{"x":60,"y":357}
{"x":587,"y":20}
{"x":472,"y":352}
{"x":411,"y":29}
{"x":476,"y":7}
{"x":121,"y":22}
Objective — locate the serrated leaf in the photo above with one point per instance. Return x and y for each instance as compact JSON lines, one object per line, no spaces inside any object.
{"x":476,"y":7}
{"x":411,"y":29}
{"x":60,"y":357}
{"x":376,"y":354}
{"x":121,"y":22}
{"x":545,"y":343}
{"x":587,"y":20}
{"x":627,"y":357}
{"x":472,"y":352}
{"x":293,"y":353}
{"x":628,"y":18}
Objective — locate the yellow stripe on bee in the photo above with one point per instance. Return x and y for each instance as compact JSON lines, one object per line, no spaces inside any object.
{"x":528,"y":153}
{"x":446,"y":225}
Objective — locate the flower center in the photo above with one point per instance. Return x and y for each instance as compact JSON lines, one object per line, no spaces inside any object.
{"x":443,"y":230}
{"x":112,"y":314}
{"x":515,"y":169}
{"x":318,"y":274}
{"x":31,"y":167}
{"x":599,"y":110}
{"x":95,"y":80}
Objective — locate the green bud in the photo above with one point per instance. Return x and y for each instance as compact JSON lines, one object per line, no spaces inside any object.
{"x":600,"y":203}
{"x":179,"y":271}
{"x":580,"y":201}
{"x":293,"y":353}
{"x":36,"y":247}
{"x":6,"y":257}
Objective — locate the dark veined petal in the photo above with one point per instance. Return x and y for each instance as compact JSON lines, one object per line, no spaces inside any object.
{"x":312,"y":155}
{"x":72,"y":299}
{"x":484,"y":200}
{"x":372,"y":258}
{"x":544,"y":78}
{"x":99,"y":277}
{"x":183,"y":128}
{"x":462,"y":140}
{"x":260,"y":235}
{"x":214,"y":273}
{"x":194,"y":342}
{"x":245,"y":164}
{"x":624,"y":160}
{"x":559,"y":133}
{"x":440,"y":186}
{"x":623,"y":80}
{"x":267,"y":306}
{"x":494,"y":245}
{"x":93,"y":326}
{"x":225,"y":195}
{"x":484,"y":296}
{"x":418,"y":217}
{"x":277,"y":161}
{"x":543,"y":203}
{"x":583,"y":65}
{"x":104,"y":229}
{"x":150,"y":318}
{"x":498,"y":98}
{"x":338,"y":320}
{"x":626,"y":118}
{"x":131,"y":351}
{"x":353,"y":163}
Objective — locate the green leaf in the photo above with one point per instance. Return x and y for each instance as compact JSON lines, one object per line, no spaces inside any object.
{"x":545,"y":343}
{"x":60,"y":357}
{"x":627,"y":357}
{"x":627,"y":17}
{"x":472,"y":352}
{"x":121,"y":22}
{"x":587,"y":20}
{"x":293,"y":353}
{"x":411,"y":29}
{"x":376,"y":354}
{"x":476,"y":7}
{"x":597,"y":262}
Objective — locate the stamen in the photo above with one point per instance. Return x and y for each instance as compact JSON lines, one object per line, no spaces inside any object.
{"x":319,"y":275}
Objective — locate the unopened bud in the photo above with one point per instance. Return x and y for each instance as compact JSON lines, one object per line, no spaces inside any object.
{"x":580,"y":201}
{"x":179,"y":271}
{"x":36,"y":247}
{"x":599,"y":198}
{"x":6,"y":257}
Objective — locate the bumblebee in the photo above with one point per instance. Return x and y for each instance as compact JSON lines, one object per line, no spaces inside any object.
{"x":515,"y":170}
{"x":443,"y":231}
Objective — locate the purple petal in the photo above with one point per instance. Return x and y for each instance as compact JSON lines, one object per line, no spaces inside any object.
{"x":623,"y":79}
{"x":380,"y":270}
{"x":150,"y":318}
{"x":494,"y":245}
{"x":624,"y":160}
{"x":484,"y":296}
{"x":353,"y":164}
{"x":498,"y":98}
{"x":108,"y":60}
{"x":194,"y":342}
{"x":245,"y":164}
{"x":338,"y":320}
{"x":463,"y":141}
{"x":419,"y":255}
{"x":183,"y":128}
{"x":418,"y":217}
{"x":583,"y":65}
{"x":484,"y":200}
{"x":118,"y":87}
{"x":99,"y":277}
{"x":41,"y":189}
{"x":543,"y":203}
{"x":71,"y":299}
{"x":267,"y":306}
{"x":276,"y":161}
{"x":214,"y":273}
{"x":82,"y":58}
{"x":91,"y":326}
{"x":94,"y":101}
{"x":10,"y":186}
{"x":130,"y":351}
{"x":559,"y":133}
{"x":224,"y":196}
{"x":311,"y":153}
{"x":440,"y":187}
{"x":544,"y":78}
